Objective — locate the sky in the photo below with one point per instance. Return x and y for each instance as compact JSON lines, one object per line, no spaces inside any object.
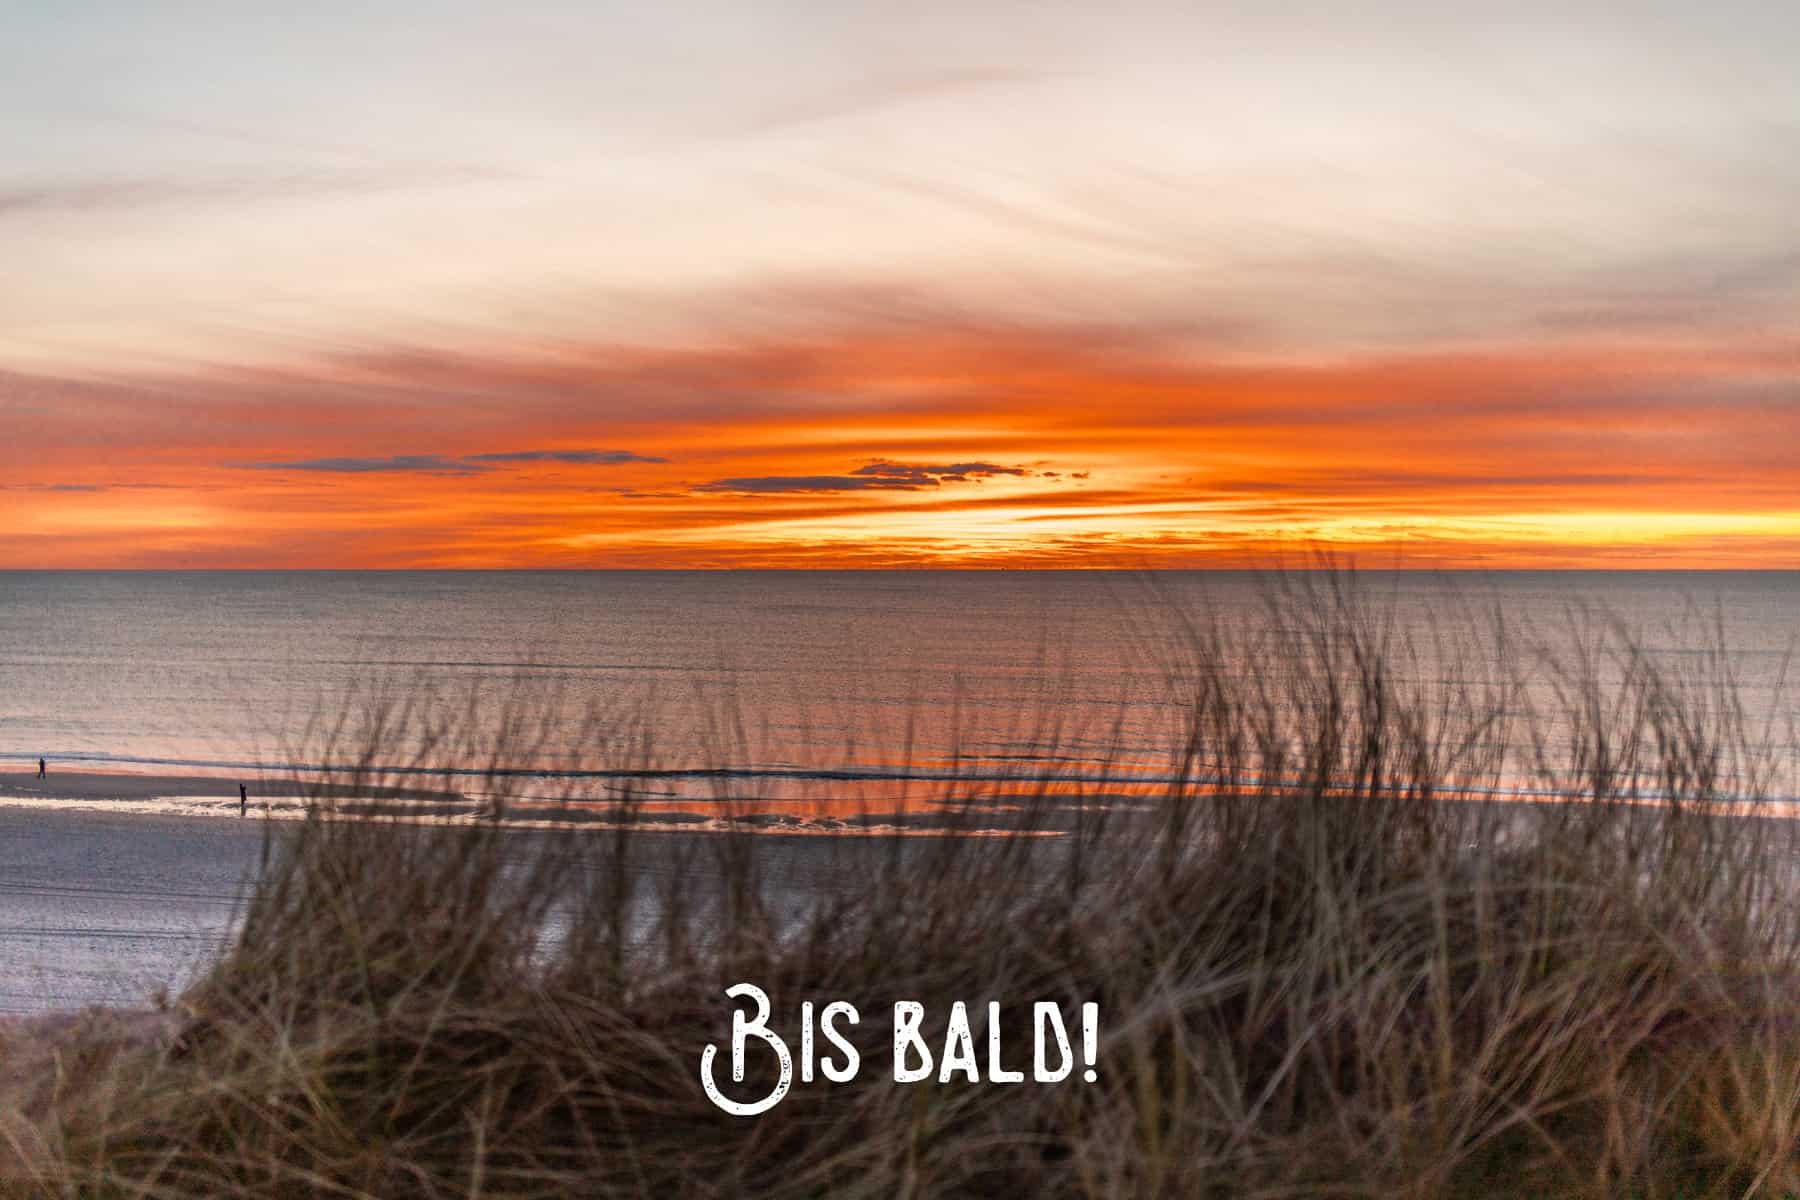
{"x":925,"y":284}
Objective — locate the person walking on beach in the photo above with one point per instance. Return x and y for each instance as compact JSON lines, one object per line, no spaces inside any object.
{"x":243,"y":800}
{"x":40,"y":767}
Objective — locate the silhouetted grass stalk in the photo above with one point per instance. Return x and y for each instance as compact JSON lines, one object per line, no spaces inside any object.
{"x":1327,"y":964}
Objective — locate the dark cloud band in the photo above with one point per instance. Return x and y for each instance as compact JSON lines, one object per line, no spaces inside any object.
{"x":428,"y":464}
{"x":599,"y":458}
{"x":875,"y":477}
{"x":469,"y":464}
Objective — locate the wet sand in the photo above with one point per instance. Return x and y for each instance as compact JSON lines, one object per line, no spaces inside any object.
{"x":104,"y":906}
{"x":134,"y":786}
{"x":285,"y":797}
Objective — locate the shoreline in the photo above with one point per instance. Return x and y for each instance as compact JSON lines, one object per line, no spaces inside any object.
{"x":108,"y":908}
{"x":214,"y":797}
{"x":135,"y":785}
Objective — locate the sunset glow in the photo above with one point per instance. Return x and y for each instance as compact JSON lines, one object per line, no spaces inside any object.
{"x":1164,"y":289}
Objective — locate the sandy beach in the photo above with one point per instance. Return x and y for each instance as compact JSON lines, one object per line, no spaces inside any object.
{"x":107,"y":898}
{"x":110,"y":908}
{"x":124,"y":786}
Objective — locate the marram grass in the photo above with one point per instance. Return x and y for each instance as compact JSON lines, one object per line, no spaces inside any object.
{"x":1324,"y":968}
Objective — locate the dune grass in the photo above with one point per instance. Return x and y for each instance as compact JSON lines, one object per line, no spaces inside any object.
{"x":1325,"y":966}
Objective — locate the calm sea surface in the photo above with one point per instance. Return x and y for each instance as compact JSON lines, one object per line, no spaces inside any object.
{"x":807,"y":691}
{"x":813,"y":686}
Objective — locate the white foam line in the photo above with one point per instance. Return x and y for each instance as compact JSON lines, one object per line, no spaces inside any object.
{"x":296,"y":809}
{"x":286,"y":809}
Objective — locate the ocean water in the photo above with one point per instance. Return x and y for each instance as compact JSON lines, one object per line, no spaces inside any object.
{"x":814,"y":694}
{"x":810,"y":688}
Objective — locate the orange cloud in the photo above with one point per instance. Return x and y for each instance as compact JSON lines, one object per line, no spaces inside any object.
{"x":909,"y":445}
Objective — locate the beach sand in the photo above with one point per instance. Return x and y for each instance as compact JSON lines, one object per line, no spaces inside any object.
{"x":188,"y":795}
{"x":134,"y":786}
{"x":109,"y":908}
{"x":107,"y":899}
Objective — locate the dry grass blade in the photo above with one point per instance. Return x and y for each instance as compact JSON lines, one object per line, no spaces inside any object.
{"x":1328,"y":962}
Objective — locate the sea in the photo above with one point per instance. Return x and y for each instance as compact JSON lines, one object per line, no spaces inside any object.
{"x":807,"y":698}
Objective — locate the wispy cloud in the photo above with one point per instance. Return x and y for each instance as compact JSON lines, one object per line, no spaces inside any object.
{"x":111,"y":192}
{"x":875,"y":477}
{"x":872,"y":93}
{"x":598,"y":458}
{"x":929,"y":443}
{"x":951,"y":473}
{"x":468,"y":464}
{"x":806,"y":483}
{"x":429,"y":464}
{"x":90,"y":487}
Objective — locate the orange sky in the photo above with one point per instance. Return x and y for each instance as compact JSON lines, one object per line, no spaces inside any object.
{"x":1150,"y":283}
{"x":913,"y":444}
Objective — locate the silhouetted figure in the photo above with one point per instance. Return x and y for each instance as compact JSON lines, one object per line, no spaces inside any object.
{"x":243,"y":800}
{"x":40,"y":768}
